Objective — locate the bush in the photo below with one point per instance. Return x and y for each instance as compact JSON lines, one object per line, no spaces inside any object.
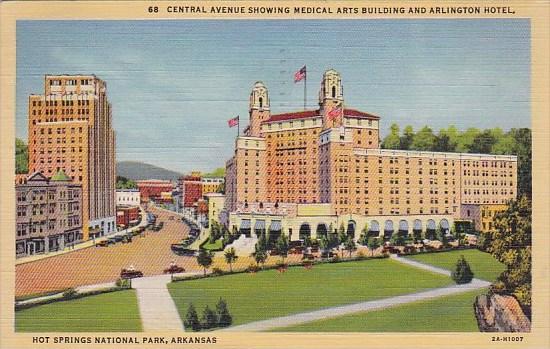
{"x":253,"y":268}
{"x":217,"y":271}
{"x":123,"y":283}
{"x":70,"y":293}
{"x":192,"y":319}
{"x":462,"y":273}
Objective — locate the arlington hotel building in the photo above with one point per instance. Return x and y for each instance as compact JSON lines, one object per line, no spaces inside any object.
{"x":301,"y":173}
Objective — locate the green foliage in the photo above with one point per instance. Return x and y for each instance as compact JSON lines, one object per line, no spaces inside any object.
{"x":511,"y":245}
{"x":192,"y":319}
{"x":282,"y":246}
{"x":123,"y":283}
{"x":463,"y":273}
{"x":204,"y":259}
{"x":217,"y":173}
{"x":21,"y":157}
{"x":260,"y":254}
{"x":224,"y":317}
{"x":125,"y":183}
{"x":373,"y":243}
{"x":230,"y":257}
{"x":209,"y":318}
{"x":350,"y":246}
{"x":392,"y":141}
{"x":424,"y":139}
{"x":70,"y":293}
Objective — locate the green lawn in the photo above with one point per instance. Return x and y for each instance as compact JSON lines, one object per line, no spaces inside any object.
{"x":483,"y":264}
{"x":217,"y":245}
{"x":268,"y":294}
{"x":107,"y":312}
{"x":446,"y":314}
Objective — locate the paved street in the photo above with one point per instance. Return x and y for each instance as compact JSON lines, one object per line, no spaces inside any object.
{"x":150,"y":254}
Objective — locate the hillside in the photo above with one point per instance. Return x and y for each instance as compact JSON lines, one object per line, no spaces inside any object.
{"x":135,"y":170}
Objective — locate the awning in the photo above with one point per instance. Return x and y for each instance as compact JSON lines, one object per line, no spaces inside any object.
{"x":275,"y":226}
{"x":245,"y":224}
{"x":259,"y":225}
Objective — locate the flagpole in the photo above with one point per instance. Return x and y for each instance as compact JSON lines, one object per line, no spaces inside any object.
{"x":238,"y":125}
{"x":305,"y":88}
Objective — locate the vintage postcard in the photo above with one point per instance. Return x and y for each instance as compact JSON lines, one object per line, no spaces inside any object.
{"x":275,"y":174}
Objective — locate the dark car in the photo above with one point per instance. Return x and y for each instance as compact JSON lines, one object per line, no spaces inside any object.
{"x":174,"y":269}
{"x":118,"y":238}
{"x":130,"y":274}
{"x":103,"y":243}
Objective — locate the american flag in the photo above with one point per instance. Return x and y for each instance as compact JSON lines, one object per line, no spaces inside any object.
{"x":334,"y":113}
{"x":233,"y":122}
{"x":300,"y":74}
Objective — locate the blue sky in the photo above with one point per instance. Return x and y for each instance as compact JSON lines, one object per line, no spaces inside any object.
{"x":174,"y":84}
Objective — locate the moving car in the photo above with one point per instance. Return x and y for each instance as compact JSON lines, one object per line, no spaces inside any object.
{"x":130,"y":274}
{"x":174,"y":269}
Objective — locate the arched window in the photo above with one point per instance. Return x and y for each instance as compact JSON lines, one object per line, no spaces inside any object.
{"x":261,"y":102}
{"x":333,"y":91}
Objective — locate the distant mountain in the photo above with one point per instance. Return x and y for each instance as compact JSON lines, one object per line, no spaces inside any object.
{"x":136,"y":170}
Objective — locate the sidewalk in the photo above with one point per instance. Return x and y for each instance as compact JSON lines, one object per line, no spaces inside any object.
{"x":82,"y":245}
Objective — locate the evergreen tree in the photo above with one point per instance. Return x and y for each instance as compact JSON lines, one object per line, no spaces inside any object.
{"x":373,"y":243}
{"x":21,"y":157}
{"x":462,"y":273}
{"x":406,"y":140}
{"x":224,"y":317}
{"x":192,"y":319}
{"x":209,"y":318}
{"x":260,"y":255}
{"x":282,"y":246}
{"x":424,"y":139}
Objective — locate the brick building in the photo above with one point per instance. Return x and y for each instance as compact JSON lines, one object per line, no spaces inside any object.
{"x":152,"y":189}
{"x":330,"y":158}
{"x":49,"y":215}
{"x":70,"y":129}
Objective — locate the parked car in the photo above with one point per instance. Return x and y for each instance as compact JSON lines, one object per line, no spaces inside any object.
{"x":174,"y":269}
{"x":103,"y":243}
{"x":181,"y":250}
{"x":118,"y":238}
{"x":130,"y":273}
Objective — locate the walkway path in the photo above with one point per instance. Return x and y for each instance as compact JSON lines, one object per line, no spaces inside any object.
{"x":297,"y":319}
{"x":157,"y":309}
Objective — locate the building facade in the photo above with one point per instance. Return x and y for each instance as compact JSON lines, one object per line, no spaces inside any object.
{"x":127,"y":216}
{"x":49,"y":214}
{"x":128,"y":197}
{"x":332,"y":156}
{"x":191,"y":192}
{"x":211,"y":184}
{"x":152,"y":189}
{"x":70,"y":129}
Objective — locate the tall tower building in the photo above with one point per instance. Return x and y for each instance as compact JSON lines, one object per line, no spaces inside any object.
{"x":70,"y":129}
{"x":331,"y":99}
{"x":258,"y":108}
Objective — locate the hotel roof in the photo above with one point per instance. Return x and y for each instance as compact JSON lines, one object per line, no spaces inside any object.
{"x":350,"y":113}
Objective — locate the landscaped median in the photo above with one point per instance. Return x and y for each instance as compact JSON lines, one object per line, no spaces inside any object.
{"x":271,"y":293}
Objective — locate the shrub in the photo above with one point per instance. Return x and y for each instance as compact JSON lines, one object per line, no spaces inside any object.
{"x":361,"y":255}
{"x":209,"y":318}
{"x":217,"y":271}
{"x":224,"y":317}
{"x":335,"y":258}
{"x":123,"y":283}
{"x":253,"y":268}
{"x":192,"y":319}
{"x":462,"y":273}
{"x":70,"y":293}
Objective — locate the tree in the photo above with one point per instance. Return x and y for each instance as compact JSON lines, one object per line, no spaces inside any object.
{"x":125,"y":183}
{"x":324,"y":244}
{"x":373,"y":243}
{"x":204,"y":259}
{"x":21,"y":157}
{"x":282,"y":246}
{"x":260,"y":255}
{"x":224,"y":317}
{"x":462,"y":273}
{"x":522,"y":148}
{"x":443,"y":143}
{"x":209,"y":318}
{"x":483,"y":143}
{"x":423,"y":139}
{"x":406,"y":140}
{"x":350,"y":246}
{"x":230,"y":257}
{"x":511,"y":245}
{"x":466,"y":139}
{"x":392,"y":141}
{"x":192,"y":319}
